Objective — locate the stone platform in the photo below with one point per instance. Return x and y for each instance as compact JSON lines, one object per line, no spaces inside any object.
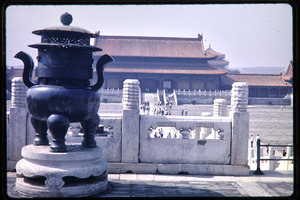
{"x":185,"y":168}
{"x":271,"y":184}
{"x":78,"y":172}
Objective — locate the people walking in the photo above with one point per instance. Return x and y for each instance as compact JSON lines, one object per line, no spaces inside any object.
{"x":268,"y":149}
{"x":169,"y":135}
{"x":161,"y":133}
{"x":251,"y":141}
{"x":284,"y":153}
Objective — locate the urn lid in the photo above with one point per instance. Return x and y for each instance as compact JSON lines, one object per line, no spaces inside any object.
{"x":65,"y":36}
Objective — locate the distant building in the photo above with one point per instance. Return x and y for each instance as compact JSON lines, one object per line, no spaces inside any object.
{"x":260,"y":85}
{"x":180,"y":63}
{"x":159,"y":62}
{"x":288,"y":75}
{"x":262,"y":70}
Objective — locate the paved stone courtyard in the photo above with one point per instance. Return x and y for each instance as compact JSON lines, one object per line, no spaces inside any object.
{"x":273,"y":183}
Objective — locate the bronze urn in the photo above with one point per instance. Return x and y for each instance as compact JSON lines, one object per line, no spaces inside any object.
{"x":62,"y":93}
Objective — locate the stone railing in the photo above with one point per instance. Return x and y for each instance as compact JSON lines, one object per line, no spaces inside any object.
{"x":110,"y":142}
{"x":185,"y":150}
{"x":201,"y":96}
{"x":110,"y":91}
{"x":111,"y":95}
{"x":220,"y":93}
{"x":208,"y":144}
{"x":271,"y":157}
{"x":158,"y":96}
{"x":175,"y":97}
{"x":165,"y":97}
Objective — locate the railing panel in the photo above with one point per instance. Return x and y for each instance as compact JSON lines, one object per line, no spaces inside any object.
{"x":169,"y":150}
{"x":110,"y":145}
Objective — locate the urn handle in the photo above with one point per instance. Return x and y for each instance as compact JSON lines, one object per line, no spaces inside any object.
{"x":100,"y":67}
{"x":28,"y":67}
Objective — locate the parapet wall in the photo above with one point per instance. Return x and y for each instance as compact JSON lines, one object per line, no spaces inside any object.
{"x":183,"y":99}
{"x":269,"y":101}
{"x":111,"y":95}
{"x":201,"y":96}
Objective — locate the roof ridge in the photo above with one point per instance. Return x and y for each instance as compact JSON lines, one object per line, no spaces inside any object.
{"x":252,"y":74}
{"x":149,"y":37}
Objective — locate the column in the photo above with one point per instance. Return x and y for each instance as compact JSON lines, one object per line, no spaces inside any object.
{"x":130,"y":121}
{"x":16,"y":137}
{"x":240,"y":123}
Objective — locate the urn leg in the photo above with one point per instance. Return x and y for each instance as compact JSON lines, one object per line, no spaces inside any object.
{"x":89,"y":128}
{"x":40,"y":128}
{"x":58,"y":126}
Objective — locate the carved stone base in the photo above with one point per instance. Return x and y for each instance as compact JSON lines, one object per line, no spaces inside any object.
{"x":78,"y":172}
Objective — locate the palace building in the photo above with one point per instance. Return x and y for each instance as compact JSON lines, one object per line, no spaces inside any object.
{"x":180,"y":63}
{"x":260,"y":85}
{"x":160,"y":62}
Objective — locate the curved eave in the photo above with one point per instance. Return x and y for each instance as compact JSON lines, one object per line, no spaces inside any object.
{"x":204,"y":58}
{"x":256,"y":80}
{"x":218,"y":62}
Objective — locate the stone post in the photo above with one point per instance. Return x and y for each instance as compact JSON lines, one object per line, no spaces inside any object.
{"x":204,"y":131}
{"x":220,"y":110}
{"x":220,"y":107}
{"x":240,"y":123}
{"x":289,"y":151}
{"x":130,"y":121}
{"x":271,"y":162}
{"x":16,"y":137}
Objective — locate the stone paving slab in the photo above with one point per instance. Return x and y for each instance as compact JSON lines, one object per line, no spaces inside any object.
{"x":273,"y":183}
{"x":275,"y":189}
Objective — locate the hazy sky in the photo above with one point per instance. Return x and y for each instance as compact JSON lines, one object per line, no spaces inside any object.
{"x":250,"y":35}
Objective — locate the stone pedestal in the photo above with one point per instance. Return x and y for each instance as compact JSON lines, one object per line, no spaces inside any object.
{"x":78,"y":172}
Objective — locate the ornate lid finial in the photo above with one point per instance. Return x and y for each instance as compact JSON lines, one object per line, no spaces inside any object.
{"x":66,"y":19}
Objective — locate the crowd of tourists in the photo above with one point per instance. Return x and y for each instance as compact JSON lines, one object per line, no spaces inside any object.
{"x":254,"y":141}
{"x":159,"y":109}
{"x":159,"y":133}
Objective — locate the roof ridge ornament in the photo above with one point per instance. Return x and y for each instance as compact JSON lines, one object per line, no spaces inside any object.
{"x":66,"y":19}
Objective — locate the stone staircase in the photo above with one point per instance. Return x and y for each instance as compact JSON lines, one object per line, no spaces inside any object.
{"x":149,"y":97}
